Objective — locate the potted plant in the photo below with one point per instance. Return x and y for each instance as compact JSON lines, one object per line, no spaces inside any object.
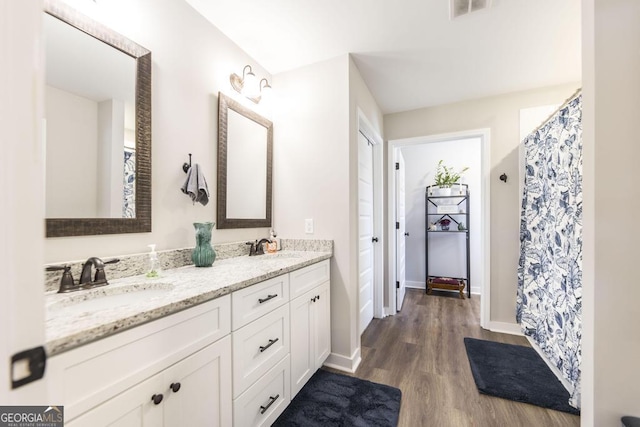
{"x":445,"y":177}
{"x":444,"y":224}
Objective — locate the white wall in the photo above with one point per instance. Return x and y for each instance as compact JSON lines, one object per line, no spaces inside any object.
{"x":315,"y":176}
{"x":501,"y":115}
{"x":110,"y":163}
{"x":311,"y":174}
{"x":447,"y":256}
{"x":192,"y":61}
{"x":71,"y":135}
{"x":611,"y":338}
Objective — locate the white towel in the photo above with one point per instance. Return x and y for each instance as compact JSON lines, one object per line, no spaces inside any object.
{"x":196,"y":186}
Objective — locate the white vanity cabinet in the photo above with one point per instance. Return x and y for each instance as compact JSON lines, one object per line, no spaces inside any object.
{"x":236,"y":360}
{"x":115,"y":380}
{"x":310,"y":322}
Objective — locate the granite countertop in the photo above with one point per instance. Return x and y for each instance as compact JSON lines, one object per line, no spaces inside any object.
{"x":106,"y":310}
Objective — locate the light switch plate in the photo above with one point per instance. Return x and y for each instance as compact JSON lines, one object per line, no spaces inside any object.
{"x":308,"y":225}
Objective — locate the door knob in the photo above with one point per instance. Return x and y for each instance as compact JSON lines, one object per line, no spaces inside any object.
{"x":406,"y":234}
{"x":374,"y":239}
{"x":175,"y":387}
{"x":157,"y":398}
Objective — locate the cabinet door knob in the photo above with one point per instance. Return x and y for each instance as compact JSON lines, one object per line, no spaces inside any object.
{"x":157,"y":398}
{"x":175,"y":387}
{"x":406,"y":234}
{"x":374,"y":239}
{"x":313,"y":299}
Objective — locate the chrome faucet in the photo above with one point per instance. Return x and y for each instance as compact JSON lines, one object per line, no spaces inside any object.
{"x":100,"y":278}
{"x":257,"y":247}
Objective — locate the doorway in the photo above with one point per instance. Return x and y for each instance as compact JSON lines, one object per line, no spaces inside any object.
{"x":401,"y":232}
{"x":480,"y":283}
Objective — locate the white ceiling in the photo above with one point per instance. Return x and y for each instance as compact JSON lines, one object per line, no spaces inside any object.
{"x":409,"y":52}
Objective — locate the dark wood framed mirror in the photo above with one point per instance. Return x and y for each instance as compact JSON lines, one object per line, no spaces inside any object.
{"x":245,"y":162}
{"x":131,"y":208}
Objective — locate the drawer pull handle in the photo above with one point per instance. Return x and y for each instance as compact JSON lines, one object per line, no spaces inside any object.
{"x":261,"y":300}
{"x":175,"y":387}
{"x":271,"y":342}
{"x":157,"y":398}
{"x":272,"y":399}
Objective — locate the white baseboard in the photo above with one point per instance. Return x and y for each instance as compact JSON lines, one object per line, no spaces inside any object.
{"x":553,"y":368}
{"x":505,"y":328}
{"x":344,"y":363}
{"x":414,"y":285}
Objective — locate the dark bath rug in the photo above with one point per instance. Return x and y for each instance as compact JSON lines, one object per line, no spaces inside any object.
{"x":330,"y":399}
{"x":517,"y":373}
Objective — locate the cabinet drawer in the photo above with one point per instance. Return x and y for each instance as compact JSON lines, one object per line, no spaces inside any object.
{"x":308,"y":277}
{"x":257,"y":300}
{"x":262,"y":403}
{"x":91,"y":374}
{"x":258,"y":347}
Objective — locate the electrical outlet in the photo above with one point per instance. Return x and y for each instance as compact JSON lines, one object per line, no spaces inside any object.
{"x":308,"y":225}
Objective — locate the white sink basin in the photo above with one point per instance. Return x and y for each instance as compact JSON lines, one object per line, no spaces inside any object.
{"x":106,"y":298}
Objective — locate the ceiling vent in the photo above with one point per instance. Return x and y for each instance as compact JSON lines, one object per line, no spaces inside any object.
{"x":462,"y":7}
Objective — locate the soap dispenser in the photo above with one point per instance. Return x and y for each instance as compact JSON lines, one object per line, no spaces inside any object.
{"x":273,"y":237}
{"x":154,"y":263}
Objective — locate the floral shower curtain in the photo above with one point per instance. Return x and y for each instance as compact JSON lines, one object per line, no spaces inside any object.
{"x":549,"y":298}
{"x":129,"y":184}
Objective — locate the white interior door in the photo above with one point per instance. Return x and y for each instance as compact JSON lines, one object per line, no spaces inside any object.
{"x":365,"y":232}
{"x":22,"y":188}
{"x":400,"y":231}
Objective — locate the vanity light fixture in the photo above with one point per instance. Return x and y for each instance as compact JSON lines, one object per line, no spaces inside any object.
{"x":243,"y":84}
{"x":265,"y":90}
{"x":248,"y":85}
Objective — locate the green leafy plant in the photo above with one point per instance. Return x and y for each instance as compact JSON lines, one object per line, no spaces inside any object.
{"x":445,"y":175}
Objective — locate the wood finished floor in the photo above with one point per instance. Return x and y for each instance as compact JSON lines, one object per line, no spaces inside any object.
{"x":421,"y":351}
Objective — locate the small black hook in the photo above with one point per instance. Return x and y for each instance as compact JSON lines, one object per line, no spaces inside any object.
{"x":187,"y":166}
{"x":503,"y":177}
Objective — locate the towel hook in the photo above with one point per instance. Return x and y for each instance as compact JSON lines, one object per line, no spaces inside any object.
{"x":187,"y":166}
